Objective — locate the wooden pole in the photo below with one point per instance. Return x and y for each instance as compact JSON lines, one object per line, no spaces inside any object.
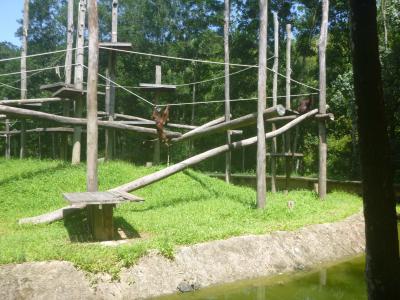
{"x":228,"y":155}
{"x":68,"y":73}
{"x":78,"y":80}
{"x":24,"y":83}
{"x":323,"y":147}
{"x":275,"y":99}
{"x":157,"y":176}
{"x":8,"y":140}
{"x":100,"y":217}
{"x":262,"y":96}
{"x":157,"y":146}
{"x":112,"y":61}
{"x":288,"y":104}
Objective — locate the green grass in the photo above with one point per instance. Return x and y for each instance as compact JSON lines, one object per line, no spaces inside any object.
{"x":186,"y":208}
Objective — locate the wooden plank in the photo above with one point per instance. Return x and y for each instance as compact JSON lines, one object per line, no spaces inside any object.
{"x":286,"y":154}
{"x":154,"y":87}
{"x":100,"y":198}
{"x":117,"y":45}
{"x":71,"y":93}
{"x":53,"y":87}
{"x":30,"y":102}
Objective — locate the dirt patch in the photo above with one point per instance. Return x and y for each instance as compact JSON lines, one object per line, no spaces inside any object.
{"x":194,"y":266}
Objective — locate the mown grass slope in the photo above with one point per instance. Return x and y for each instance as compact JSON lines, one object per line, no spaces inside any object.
{"x":186,"y":208}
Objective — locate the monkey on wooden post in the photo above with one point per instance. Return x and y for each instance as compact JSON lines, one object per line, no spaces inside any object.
{"x":306,"y":104}
{"x":161,"y":117}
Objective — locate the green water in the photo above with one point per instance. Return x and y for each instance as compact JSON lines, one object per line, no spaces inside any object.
{"x":341,"y":281}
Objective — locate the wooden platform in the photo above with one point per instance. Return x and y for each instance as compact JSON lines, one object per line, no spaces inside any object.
{"x":118,"y":45}
{"x":71,"y":93}
{"x":100,"y":198}
{"x":53,"y":87}
{"x":152,"y":87}
{"x":287,"y":154}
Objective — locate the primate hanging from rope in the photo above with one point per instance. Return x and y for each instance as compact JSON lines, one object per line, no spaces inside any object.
{"x":161,"y":117}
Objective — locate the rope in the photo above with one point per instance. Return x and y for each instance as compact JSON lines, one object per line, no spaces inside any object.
{"x":232,"y":100}
{"x":39,"y":54}
{"x":10,"y":87}
{"x":125,"y":89}
{"x":35,"y":70}
{"x":213,"y":79}
{"x":208,"y":62}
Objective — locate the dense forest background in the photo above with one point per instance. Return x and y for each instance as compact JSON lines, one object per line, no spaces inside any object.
{"x":194,"y":29}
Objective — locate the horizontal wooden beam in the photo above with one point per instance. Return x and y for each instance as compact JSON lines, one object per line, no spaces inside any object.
{"x":240,"y":122}
{"x":100,"y":198}
{"x":51,"y":129}
{"x":30,"y":101}
{"x":26,"y":113}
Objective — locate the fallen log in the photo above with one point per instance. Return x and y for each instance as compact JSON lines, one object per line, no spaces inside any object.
{"x":171,"y":170}
{"x":240,"y":122}
{"x":56,"y":215}
{"x":27,"y":113}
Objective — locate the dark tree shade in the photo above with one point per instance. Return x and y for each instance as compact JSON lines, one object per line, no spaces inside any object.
{"x":382,"y":247}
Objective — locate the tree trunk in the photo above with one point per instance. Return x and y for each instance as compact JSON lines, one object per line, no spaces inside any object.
{"x":287,"y":146}
{"x":262,"y":97}
{"x":382,"y":245}
{"x":275,"y":99}
{"x":228,"y":154}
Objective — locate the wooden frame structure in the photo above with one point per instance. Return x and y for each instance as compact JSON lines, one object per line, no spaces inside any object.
{"x":100,"y":204}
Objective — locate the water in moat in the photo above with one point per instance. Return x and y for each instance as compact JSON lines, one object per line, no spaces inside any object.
{"x":342,"y":281}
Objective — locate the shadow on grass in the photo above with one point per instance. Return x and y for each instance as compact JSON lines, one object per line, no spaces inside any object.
{"x":32,"y":174}
{"x":77,"y":226}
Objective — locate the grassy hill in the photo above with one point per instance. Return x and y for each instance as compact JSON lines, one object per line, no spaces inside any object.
{"x":186,"y":208}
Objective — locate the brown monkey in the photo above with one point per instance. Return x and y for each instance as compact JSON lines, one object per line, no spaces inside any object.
{"x":161,"y":118}
{"x":305,"y":104}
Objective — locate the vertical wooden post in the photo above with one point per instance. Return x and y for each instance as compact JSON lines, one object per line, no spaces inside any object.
{"x":24,"y":84}
{"x":157,"y":146}
{"x":228,"y":154}
{"x":275,"y":99}
{"x":288,"y":104}
{"x":322,"y":100}
{"x":262,"y":96}
{"x":8,"y":140}
{"x":112,"y":61}
{"x":191,"y":142}
{"x":78,"y":80}
{"x":68,"y":73}
{"x":100,"y":218}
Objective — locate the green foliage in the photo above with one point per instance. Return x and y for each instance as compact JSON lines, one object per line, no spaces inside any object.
{"x":184,"y":209}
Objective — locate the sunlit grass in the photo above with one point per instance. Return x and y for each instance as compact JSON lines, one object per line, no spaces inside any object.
{"x":186,"y":208}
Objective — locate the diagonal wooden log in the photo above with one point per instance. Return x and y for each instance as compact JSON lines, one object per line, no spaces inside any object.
{"x":171,"y":170}
{"x":240,"y":122}
{"x":31,"y":101}
{"x":27,"y":113}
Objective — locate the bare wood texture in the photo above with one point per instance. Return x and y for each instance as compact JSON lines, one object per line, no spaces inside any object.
{"x":70,"y":42}
{"x":149,"y":179}
{"x":20,"y":112}
{"x":114,"y":21}
{"x":288,"y":160}
{"x":233,"y":124}
{"x":78,"y":80}
{"x":51,"y":129}
{"x":173,"y":169}
{"x":56,"y":215}
{"x":8,"y":140}
{"x":262,"y":97}
{"x":323,"y":147}
{"x":275,"y":98}
{"x":157,"y":145}
{"x":100,"y":198}
{"x":286,"y":154}
{"x":29,"y":101}
{"x":24,"y":82}
{"x":228,"y":154}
